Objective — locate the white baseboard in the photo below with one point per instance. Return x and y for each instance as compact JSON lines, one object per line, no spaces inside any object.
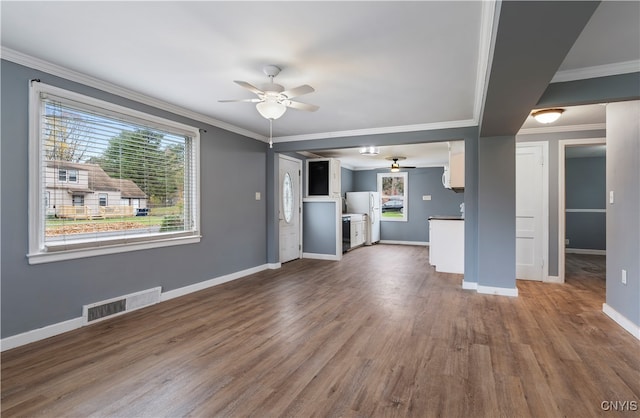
{"x":75,"y":323}
{"x":500,"y":291}
{"x":621,"y":320}
{"x":469,"y":285}
{"x":329,"y":257}
{"x":423,"y":243}
{"x":584,"y":251}
{"x":171,"y":294}
{"x":553,"y":279}
{"x":274,"y":266}
{"x":40,"y":333}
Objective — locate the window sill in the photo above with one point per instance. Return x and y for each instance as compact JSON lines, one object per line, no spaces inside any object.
{"x":45,"y":257}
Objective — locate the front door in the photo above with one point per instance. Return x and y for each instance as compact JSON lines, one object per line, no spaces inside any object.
{"x":289,"y":208}
{"x":529,"y":212}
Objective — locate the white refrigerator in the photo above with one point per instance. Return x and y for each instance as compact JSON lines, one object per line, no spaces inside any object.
{"x":369,"y":204}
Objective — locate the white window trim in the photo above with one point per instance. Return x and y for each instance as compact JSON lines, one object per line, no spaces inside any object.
{"x":405,"y":197}
{"x":37,"y":249}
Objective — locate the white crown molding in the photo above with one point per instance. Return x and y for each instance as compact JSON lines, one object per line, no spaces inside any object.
{"x":377,"y":131}
{"x":485,"y":55}
{"x":597,"y":71}
{"x":565,"y":128}
{"x":59,"y":71}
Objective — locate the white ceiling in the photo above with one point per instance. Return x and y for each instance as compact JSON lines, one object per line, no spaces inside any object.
{"x":376,"y":66}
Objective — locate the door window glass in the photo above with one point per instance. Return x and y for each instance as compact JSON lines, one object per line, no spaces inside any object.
{"x":287,"y":198}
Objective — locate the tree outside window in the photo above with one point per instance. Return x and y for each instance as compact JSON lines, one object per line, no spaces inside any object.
{"x":393,"y":196}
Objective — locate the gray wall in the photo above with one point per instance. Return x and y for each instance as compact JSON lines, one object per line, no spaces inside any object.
{"x":421,"y":181}
{"x":623,"y":219}
{"x":234,"y":234}
{"x":319,"y":227}
{"x":497,"y":212}
{"x":585,"y":189}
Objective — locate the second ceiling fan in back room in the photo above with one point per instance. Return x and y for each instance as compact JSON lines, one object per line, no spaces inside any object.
{"x":395,"y":166}
{"x":273,"y":100}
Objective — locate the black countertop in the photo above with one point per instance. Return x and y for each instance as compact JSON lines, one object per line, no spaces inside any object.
{"x":446,"y":218}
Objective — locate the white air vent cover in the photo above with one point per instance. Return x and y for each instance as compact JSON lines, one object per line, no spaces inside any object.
{"x":119,"y":305}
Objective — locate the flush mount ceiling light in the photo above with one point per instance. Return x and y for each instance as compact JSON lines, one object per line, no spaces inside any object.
{"x":547,"y":115}
{"x":369,"y":150}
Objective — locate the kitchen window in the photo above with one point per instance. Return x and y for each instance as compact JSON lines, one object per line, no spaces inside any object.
{"x":394,"y":203}
{"x":81,"y":151}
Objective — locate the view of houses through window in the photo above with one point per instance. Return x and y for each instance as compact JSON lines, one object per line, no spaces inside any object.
{"x":105,"y":176}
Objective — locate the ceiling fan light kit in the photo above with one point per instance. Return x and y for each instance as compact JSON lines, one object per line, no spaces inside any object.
{"x":270,"y":109}
{"x":273,"y":100}
{"x":547,"y":115}
{"x":395,"y":166}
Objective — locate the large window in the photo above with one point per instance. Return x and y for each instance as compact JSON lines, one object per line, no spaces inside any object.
{"x":83,"y":150}
{"x":394,"y":202}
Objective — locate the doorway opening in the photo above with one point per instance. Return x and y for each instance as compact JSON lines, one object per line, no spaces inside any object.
{"x":582,"y":210}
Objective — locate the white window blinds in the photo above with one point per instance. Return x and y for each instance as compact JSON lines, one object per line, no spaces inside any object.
{"x":131,"y":178}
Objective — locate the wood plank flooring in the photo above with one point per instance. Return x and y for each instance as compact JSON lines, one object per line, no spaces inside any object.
{"x":380,"y":334}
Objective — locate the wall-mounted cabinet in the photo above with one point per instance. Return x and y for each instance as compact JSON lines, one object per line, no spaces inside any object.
{"x":323,"y":178}
{"x":453,"y":176}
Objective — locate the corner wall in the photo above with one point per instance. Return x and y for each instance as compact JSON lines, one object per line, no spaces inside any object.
{"x":497,"y":215}
{"x":623,"y":219}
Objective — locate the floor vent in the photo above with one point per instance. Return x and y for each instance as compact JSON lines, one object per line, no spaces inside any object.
{"x":117,"y":306}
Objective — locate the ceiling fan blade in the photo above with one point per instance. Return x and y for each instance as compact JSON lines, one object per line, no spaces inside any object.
{"x":297,"y":91}
{"x":301,"y":106}
{"x":240,"y":100}
{"x":249,"y":87}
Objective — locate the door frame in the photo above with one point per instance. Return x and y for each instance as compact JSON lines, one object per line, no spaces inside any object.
{"x":544,"y":145}
{"x":562,"y":232}
{"x":279,"y":198}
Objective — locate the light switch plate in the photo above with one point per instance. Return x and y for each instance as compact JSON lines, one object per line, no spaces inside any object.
{"x":611,"y":197}
{"x":426,"y":197}
{"x":258,"y":196}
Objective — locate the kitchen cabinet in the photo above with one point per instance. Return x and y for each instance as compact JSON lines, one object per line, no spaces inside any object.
{"x":446,"y":244}
{"x":358,"y":232}
{"x":453,"y":176}
{"x":358,"y":229}
{"x":323,"y":178}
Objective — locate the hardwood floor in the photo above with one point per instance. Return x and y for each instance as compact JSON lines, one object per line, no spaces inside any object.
{"x":380,"y":334}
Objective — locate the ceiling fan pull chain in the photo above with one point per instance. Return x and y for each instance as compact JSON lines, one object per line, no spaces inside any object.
{"x":270,"y":133}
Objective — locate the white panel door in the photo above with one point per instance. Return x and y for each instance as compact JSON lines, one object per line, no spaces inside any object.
{"x":289,"y":208}
{"x":529,"y":212}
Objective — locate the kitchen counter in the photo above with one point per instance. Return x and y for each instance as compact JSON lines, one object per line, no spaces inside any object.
{"x":446,"y":243}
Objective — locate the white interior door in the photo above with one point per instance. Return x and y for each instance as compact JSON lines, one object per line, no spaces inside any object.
{"x":529,"y":212}
{"x":289,"y":208}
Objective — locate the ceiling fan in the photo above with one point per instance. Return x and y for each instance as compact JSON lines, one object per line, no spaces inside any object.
{"x":395,"y":167}
{"x":273,"y":100}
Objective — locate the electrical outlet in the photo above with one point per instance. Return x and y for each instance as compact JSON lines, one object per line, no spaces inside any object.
{"x":426,"y":197}
{"x":566,"y":241}
{"x":611,"y":200}
{"x":258,"y":196}
{"x":624,"y":276}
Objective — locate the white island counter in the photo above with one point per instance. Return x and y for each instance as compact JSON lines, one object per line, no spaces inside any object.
{"x":446,"y":244}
